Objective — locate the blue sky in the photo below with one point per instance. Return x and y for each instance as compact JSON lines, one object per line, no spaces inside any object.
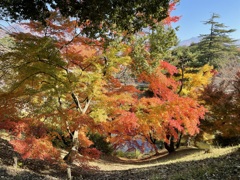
{"x":194,"y":12}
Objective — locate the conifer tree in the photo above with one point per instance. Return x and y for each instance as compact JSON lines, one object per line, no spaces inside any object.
{"x":217,"y":44}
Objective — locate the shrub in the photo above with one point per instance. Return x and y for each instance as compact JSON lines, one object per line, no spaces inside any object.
{"x":91,"y":153}
{"x":226,"y":141}
{"x":100,"y":143}
{"x":36,"y":149}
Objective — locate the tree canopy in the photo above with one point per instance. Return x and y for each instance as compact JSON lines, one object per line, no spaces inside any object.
{"x":94,"y":16}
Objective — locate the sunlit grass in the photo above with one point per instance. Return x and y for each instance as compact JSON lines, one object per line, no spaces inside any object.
{"x":190,"y":155}
{"x":201,"y":165}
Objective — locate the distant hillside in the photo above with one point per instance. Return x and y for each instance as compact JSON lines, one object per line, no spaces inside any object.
{"x":188,"y":42}
{"x":2,"y":33}
{"x":238,"y":43}
{"x":12,"y":28}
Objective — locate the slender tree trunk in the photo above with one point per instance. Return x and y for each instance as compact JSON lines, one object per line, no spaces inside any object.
{"x":71,"y":156}
{"x":73,"y":153}
{"x":179,"y":141}
{"x":188,"y":141}
{"x":153,"y":142}
{"x":155,"y":149}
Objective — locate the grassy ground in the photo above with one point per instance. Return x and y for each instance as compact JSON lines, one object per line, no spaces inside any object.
{"x":221,"y":163}
{"x":186,"y":163}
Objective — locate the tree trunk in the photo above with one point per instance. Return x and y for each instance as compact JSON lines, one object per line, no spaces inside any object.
{"x":155,"y":149}
{"x":170,"y":146}
{"x":153,"y":142}
{"x":72,"y":155}
{"x":188,"y":143}
{"x":179,"y":141}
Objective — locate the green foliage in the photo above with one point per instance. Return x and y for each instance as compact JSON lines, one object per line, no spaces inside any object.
{"x":129,"y":154}
{"x":150,"y":48}
{"x":38,"y":70}
{"x":6,"y":43}
{"x":222,"y":141}
{"x":105,"y":14}
{"x":100,"y":143}
{"x":217,"y":45}
{"x":161,"y":41}
{"x":183,"y":57}
{"x":192,"y":79}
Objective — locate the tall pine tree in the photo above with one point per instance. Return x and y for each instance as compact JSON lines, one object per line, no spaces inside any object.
{"x":217,"y":46}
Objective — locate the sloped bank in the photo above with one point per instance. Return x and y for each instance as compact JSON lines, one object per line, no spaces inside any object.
{"x":224,"y":167}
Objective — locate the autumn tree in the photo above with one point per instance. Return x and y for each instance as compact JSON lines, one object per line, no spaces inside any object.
{"x":162,"y":114}
{"x":6,"y":42}
{"x":222,"y":99}
{"x":157,"y":121}
{"x":61,"y":78}
{"x":165,"y":113}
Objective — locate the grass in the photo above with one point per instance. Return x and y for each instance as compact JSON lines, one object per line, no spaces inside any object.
{"x":197,"y":154}
{"x":130,"y":155}
{"x":185,"y":163}
{"x":200,"y":165}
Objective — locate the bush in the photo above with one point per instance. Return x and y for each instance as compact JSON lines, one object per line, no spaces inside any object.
{"x":60,"y":140}
{"x":91,"y":153}
{"x":100,"y":143}
{"x":135,"y":154}
{"x":226,"y":141}
{"x":36,"y":149}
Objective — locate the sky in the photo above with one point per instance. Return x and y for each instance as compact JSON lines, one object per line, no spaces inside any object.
{"x":194,"y":12}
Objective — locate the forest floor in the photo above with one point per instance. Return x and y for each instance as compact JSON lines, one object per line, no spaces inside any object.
{"x":185,"y":163}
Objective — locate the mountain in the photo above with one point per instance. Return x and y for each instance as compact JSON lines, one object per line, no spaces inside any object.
{"x":12,"y":28}
{"x":237,"y":43}
{"x":2,"y":33}
{"x":188,"y":42}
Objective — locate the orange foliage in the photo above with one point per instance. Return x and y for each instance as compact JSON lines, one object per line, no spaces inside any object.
{"x":91,"y":153}
{"x":36,"y":149}
{"x":160,"y":83}
{"x":170,"y":18}
{"x":165,"y":113}
{"x":83,"y":139}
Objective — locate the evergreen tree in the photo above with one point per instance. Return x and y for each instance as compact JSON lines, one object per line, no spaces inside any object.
{"x":216,"y":45}
{"x":183,"y":59}
{"x":150,"y":48}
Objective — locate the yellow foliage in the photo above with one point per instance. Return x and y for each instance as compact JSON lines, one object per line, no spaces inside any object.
{"x":99,"y":115}
{"x":195,"y":82}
